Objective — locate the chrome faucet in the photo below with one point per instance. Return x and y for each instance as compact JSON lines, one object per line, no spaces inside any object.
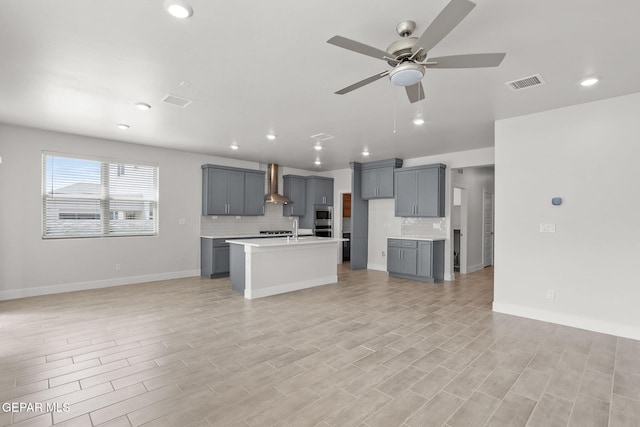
{"x":295,"y":229}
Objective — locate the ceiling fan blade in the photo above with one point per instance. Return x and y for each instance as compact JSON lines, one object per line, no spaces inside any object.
{"x":361,"y":83}
{"x":358,"y":47}
{"x":415,"y":92}
{"x":474,"y":60}
{"x":446,"y":21}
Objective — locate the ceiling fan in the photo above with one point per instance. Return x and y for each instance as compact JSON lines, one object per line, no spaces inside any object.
{"x":409,"y":55}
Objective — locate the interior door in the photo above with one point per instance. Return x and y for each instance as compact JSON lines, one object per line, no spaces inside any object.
{"x":487,"y":224}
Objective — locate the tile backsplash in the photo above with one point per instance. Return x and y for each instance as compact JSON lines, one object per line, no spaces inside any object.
{"x":424,"y":227}
{"x":231,"y":225}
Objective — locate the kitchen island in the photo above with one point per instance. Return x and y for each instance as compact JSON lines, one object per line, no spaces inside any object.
{"x":264,"y":267}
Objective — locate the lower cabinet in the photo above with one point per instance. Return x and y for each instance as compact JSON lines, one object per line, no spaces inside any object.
{"x":214,"y":258}
{"x":421,"y":260}
{"x":402,"y":256}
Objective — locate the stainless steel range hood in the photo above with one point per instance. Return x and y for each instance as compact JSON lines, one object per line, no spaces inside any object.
{"x":272,"y":179}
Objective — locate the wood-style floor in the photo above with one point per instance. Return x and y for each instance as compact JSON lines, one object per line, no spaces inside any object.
{"x":367,"y":351}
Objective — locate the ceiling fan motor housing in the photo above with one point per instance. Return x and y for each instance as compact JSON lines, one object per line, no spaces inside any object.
{"x":401,"y":49}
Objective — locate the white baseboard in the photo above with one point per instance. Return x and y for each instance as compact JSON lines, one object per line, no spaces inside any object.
{"x":94,"y":284}
{"x":474,"y":268}
{"x":449,"y":277}
{"x":590,"y":324}
{"x":378,"y":267}
{"x":289,"y":287}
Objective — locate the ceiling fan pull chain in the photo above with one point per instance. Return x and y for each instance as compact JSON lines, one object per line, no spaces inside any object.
{"x":394,"y":110}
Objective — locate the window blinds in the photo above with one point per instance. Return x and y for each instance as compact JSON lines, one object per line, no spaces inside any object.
{"x":85,"y":197}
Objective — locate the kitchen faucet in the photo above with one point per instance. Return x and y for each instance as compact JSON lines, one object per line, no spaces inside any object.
{"x":295,"y":229}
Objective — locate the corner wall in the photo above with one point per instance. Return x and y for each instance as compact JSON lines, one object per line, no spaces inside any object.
{"x":588,"y":155}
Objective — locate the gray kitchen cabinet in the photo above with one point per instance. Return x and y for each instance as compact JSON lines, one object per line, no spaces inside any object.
{"x":402,"y":257}
{"x":416,"y":259}
{"x":419,"y":191}
{"x":378,"y":179}
{"x":294,"y":188}
{"x":320,"y":190}
{"x":232,"y":191}
{"x":425,"y":259}
{"x":254,"y":193}
{"x":214,"y":258}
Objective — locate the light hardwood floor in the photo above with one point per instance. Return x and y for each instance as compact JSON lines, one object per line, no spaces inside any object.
{"x":368,"y":350}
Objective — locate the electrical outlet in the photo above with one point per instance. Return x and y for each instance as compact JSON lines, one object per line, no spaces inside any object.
{"x":551,"y":294}
{"x":117,"y":267}
{"x":383,"y":253}
{"x":182,"y":221}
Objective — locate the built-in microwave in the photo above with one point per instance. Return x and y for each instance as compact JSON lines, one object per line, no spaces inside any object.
{"x":323,"y":221}
{"x":323,"y":212}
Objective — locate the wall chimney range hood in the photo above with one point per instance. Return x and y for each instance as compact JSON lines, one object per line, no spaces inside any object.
{"x":272,"y":180}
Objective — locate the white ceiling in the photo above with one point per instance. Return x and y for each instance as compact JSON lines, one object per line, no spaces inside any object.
{"x":79,"y":66}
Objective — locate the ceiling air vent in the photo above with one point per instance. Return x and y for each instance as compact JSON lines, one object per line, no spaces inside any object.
{"x":526,"y":82}
{"x":322,"y":137}
{"x":176,"y":100}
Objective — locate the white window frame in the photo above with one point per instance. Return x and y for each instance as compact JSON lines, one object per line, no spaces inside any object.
{"x":105,"y":198}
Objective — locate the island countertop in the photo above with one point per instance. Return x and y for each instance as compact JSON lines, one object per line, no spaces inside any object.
{"x":283,"y":241}
{"x":425,"y":239}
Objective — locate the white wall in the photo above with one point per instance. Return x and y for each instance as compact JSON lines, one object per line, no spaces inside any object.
{"x":475,"y":181}
{"x":588,"y":155}
{"x":30,"y":265}
{"x":384,"y":214}
{"x":382,"y":224}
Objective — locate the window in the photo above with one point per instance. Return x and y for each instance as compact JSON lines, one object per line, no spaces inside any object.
{"x":89,"y":197}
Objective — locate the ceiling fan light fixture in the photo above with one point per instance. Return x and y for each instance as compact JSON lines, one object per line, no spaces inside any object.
{"x":406,"y":74}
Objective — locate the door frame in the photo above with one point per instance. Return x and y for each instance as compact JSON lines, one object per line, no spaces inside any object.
{"x":493,"y":219}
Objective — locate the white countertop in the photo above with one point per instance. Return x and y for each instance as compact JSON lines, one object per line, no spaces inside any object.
{"x":301,"y":232}
{"x":426,"y":239}
{"x":283,"y":241}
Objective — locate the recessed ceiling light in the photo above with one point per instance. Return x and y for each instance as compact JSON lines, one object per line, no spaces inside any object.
{"x":317,"y":147}
{"x":271,"y":136}
{"x":122,"y":126}
{"x":317,"y":162}
{"x":418,"y":121}
{"x":143,"y":106}
{"x":366,"y":152}
{"x":178,"y":9}
{"x":589,"y":82}
{"x":234,"y":146}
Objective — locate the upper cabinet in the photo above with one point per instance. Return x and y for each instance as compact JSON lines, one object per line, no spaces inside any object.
{"x":319,"y":190}
{"x":419,"y":191}
{"x":232,"y":191}
{"x":377,"y":179}
{"x":294,"y":188}
{"x":254,"y":192}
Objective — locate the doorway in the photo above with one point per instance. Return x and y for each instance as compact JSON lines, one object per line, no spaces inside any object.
{"x":346,"y":227}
